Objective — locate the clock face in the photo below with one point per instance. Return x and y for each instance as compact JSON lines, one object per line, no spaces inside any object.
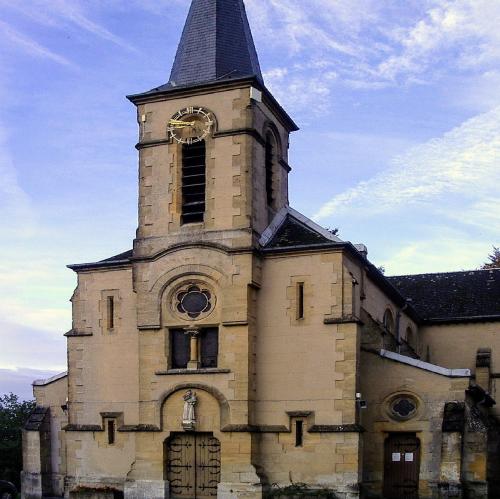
{"x":190,"y":125}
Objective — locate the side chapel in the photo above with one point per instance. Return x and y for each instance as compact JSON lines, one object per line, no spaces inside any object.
{"x":240,"y":347}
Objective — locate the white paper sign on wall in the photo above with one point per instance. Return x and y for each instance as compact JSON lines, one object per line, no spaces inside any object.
{"x":409,"y":457}
{"x":396,"y":457}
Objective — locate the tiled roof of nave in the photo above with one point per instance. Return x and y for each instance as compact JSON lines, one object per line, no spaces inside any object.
{"x":452,"y":296}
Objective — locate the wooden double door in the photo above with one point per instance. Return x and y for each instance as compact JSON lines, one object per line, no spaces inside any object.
{"x":401,"y":466}
{"x":192,"y":465}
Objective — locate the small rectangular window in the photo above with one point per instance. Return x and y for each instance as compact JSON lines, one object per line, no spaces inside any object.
{"x":299,"y":433}
{"x":179,"y":349}
{"x":111,"y":431}
{"x":111,"y":312}
{"x":209,"y":347}
{"x":300,"y":300}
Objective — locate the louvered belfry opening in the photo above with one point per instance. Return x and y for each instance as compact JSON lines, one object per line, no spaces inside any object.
{"x":193,"y":182}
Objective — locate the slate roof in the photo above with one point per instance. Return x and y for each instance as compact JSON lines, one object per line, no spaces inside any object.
{"x":36,"y":419}
{"x":126,"y":255}
{"x":454,"y":296}
{"x":216,"y":45}
{"x":295,"y":233}
{"x":116,"y":260}
{"x":291,"y":229}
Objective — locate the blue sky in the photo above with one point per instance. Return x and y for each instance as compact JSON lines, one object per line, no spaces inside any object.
{"x":398,"y":104}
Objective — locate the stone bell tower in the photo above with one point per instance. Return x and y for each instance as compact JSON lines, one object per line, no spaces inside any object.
{"x":213,"y":174}
{"x":213,"y":141}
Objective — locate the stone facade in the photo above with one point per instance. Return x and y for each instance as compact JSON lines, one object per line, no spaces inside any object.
{"x":316,"y":351}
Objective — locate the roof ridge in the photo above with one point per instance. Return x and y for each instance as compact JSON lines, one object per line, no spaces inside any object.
{"x":443,"y":273}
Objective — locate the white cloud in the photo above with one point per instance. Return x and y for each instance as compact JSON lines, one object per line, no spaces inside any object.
{"x":377,"y":44}
{"x":436,"y":208}
{"x":461,"y":33}
{"x":296,"y":90}
{"x":444,"y":253}
{"x":64,"y":13}
{"x":31,"y":47}
{"x":459,"y":170}
{"x":18,"y":215}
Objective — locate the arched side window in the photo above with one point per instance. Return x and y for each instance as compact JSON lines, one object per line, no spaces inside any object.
{"x":410,"y":338}
{"x":270,"y":162}
{"x":193,"y":182}
{"x":389,"y":321}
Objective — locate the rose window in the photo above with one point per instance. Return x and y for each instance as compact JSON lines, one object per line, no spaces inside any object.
{"x":194,"y":302}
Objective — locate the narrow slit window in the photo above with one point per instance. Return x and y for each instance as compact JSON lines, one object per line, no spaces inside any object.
{"x":300,"y":300}
{"x":299,"y":433}
{"x":193,"y":182}
{"x":269,"y":171}
{"x":111,"y":312}
{"x":111,"y":432}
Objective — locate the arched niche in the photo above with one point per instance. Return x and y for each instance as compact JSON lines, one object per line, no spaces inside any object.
{"x":212,"y":410}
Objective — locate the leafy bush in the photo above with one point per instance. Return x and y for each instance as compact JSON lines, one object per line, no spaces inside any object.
{"x":13,"y":414}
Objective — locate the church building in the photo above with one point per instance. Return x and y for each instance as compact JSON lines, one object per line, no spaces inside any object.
{"x":240,"y":350}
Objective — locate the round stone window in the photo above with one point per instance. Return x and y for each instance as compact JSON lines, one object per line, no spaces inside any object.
{"x":194,"y":301}
{"x":403,"y":407}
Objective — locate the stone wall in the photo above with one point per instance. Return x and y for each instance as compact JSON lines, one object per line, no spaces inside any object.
{"x":381,"y":381}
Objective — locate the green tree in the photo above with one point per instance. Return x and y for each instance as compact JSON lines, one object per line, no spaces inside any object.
{"x":494,"y":260}
{"x":13,"y":415}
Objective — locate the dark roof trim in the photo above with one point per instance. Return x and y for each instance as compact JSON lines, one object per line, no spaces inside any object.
{"x":52,"y":379}
{"x":304,"y":247}
{"x":457,"y":320}
{"x":99,"y":265}
{"x":113,"y":262}
{"x":120,"y":260}
{"x":160,"y":94}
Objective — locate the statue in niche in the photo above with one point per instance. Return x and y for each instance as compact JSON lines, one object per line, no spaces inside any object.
{"x":188,"y":415}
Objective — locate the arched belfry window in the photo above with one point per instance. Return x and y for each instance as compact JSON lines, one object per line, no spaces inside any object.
{"x":270,"y":162}
{"x":193,"y":182}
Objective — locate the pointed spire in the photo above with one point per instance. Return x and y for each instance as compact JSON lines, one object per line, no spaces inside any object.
{"x":216,"y":44}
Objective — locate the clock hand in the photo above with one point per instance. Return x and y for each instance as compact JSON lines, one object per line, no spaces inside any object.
{"x":181,"y":124}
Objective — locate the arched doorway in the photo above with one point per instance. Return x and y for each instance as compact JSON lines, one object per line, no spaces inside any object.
{"x":192,"y":465}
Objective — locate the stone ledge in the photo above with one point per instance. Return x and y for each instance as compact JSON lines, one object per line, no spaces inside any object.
{"x":82,"y":427}
{"x":179,"y":372}
{"x":139,"y":428}
{"x":343,"y":320}
{"x":74,"y":334}
{"x":336,"y":428}
{"x":234,"y":323}
{"x":247,"y":428}
{"x":299,"y":414}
